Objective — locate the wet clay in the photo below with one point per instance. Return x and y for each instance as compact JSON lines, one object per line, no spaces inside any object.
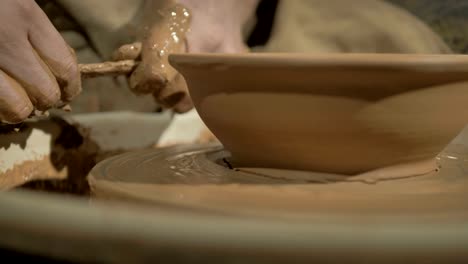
{"x":45,"y":150}
{"x":31,"y":170}
{"x":199,"y":178}
{"x":340,"y":114}
{"x":165,"y":34}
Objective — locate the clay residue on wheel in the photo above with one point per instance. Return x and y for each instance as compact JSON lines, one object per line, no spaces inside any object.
{"x":41,"y":169}
{"x":64,"y":168}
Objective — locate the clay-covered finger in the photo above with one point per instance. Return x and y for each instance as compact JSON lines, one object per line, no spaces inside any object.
{"x":175,"y":95}
{"x":166,"y":36}
{"x":15,"y":105}
{"x":184,"y":105}
{"x":28,"y":69}
{"x":146,"y":79}
{"x":57,"y":55}
{"x":128,"y":52}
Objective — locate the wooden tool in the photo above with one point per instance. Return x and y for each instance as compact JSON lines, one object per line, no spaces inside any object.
{"x":108,"y":68}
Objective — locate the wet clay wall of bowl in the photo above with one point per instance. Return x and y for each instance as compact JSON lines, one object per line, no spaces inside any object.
{"x":338,"y":114}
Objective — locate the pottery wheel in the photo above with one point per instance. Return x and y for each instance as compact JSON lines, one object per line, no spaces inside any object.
{"x":200,"y":178}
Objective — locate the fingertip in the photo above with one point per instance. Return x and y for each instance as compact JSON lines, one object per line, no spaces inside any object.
{"x":185,"y":105}
{"x":15,"y":106}
{"x":173,"y":99}
{"x":143,"y":81}
{"x":180,"y":102}
{"x":47,"y":98}
{"x":67,"y":74}
{"x":18,"y":113}
{"x":57,"y":57}
{"x":42,"y":85}
{"x":70,"y":82}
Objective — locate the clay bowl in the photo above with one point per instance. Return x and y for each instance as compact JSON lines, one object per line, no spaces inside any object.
{"x":336,"y":113}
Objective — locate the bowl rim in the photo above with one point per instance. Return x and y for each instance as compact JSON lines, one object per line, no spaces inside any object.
{"x":427,"y":62}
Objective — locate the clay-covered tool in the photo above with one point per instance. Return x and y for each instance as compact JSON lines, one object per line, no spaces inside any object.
{"x":108,"y":68}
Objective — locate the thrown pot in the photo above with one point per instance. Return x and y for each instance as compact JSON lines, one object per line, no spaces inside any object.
{"x":335,"y":113}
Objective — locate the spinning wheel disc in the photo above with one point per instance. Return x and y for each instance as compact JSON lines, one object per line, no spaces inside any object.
{"x":200,"y":178}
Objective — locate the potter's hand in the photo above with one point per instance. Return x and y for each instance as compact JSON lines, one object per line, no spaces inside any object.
{"x":215,"y":26}
{"x":37,"y":68}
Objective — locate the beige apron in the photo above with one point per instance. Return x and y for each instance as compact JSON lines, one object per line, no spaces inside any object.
{"x":358,"y":26}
